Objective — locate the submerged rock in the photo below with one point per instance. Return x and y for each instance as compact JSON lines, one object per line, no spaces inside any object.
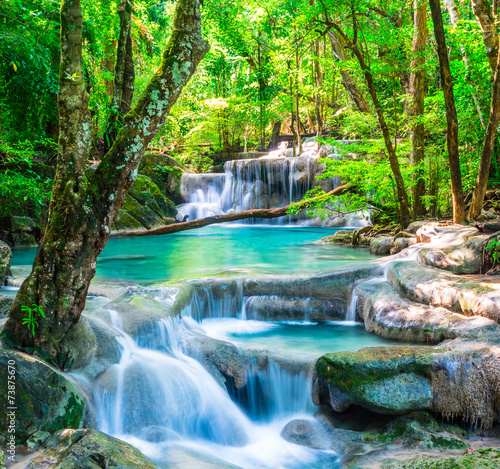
{"x":46,"y":400}
{"x":88,"y":448}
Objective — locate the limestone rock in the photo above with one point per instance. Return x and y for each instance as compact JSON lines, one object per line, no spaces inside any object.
{"x":90,"y":449}
{"x":46,"y":400}
{"x":386,"y":314}
{"x":340,"y":237}
{"x":144,"y":207}
{"x":388,"y":380}
{"x":382,"y":246}
{"x":5,"y":304}
{"x":435,"y":287}
{"x":420,"y":430}
{"x":5,"y":256}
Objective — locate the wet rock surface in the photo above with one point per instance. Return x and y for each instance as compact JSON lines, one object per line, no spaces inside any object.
{"x":46,"y":400}
{"x":5,"y":256}
{"x":88,"y":448}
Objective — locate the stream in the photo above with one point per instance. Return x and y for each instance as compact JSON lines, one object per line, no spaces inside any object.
{"x":160,"y":398}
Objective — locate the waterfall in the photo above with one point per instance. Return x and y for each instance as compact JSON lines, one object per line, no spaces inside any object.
{"x":353,"y":306}
{"x":276,"y":392}
{"x":182,"y":398}
{"x":252,"y":184}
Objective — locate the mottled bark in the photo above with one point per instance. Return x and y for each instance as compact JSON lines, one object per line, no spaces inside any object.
{"x":488,"y":145}
{"x":391,"y":151}
{"x":319,"y":85}
{"x":82,"y":209}
{"x":416,"y":110}
{"x":235,"y":216}
{"x":452,"y":9}
{"x":123,"y":89}
{"x":484,"y":15}
{"x":347,"y":80}
{"x":451,"y":113}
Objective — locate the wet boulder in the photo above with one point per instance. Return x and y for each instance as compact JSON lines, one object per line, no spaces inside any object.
{"x":144,"y":207}
{"x":340,"y":237}
{"x":382,"y":246}
{"x":90,"y":449}
{"x":5,"y":256}
{"x":5,"y":304}
{"x":388,"y":380}
{"x":46,"y":400}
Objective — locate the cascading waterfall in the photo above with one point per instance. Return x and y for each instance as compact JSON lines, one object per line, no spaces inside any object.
{"x":158,"y":398}
{"x":277,"y":392}
{"x":252,"y":184}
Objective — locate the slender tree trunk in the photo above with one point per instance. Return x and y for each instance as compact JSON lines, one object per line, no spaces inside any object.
{"x":292,"y":114}
{"x":486,"y":19}
{"x":347,"y":80}
{"x":319,"y":86}
{"x":297,"y":99}
{"x":81,"y":209}
{"x":451,"y":114}
{"x":452,"y":8}
{"x":488,"y":145}
{"x":123,"y":89}
{"x":416,"y":111}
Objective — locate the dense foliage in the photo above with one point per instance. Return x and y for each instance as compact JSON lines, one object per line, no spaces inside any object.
{"x":277,"y":63}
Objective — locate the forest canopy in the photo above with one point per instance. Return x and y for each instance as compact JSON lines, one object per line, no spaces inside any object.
{"x":292,"y":67}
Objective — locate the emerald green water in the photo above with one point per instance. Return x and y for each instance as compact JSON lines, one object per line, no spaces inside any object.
{"x":214,"y":250}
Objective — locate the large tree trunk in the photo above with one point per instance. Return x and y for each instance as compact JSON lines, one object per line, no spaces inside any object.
{"x":451,"y":114}
{"x":81,"y":209}
{"x":347,"y":80}
{"x":416,"y":111}
{"x":487,"y":152}
{"x":267,"y":213}
{"x":484,"y":15}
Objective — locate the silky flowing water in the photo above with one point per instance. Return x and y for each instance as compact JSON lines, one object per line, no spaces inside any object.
{"x":161,"y":399}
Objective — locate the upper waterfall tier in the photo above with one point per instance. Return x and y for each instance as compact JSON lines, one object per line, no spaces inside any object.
{"x":266,"y":182}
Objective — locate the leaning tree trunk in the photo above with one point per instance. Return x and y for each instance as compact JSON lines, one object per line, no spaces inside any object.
{"x":484,"y":15}
{"x":451,"y":113}
{"x":82,"y":209}
{"x":452,"y":9}
{"x":487,"y":152}
{"x":347,"y":80}
{"x":416,"y":111}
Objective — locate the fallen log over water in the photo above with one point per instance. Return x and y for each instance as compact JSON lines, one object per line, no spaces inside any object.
{"x":256,"y":213}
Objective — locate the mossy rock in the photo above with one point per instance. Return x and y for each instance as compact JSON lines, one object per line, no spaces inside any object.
{"x":340,"y":237}
{"x":382,"y":246}
{"x":144,"y":207}
{"x":46,"y":400}
{"x":5,"y":257}
{"x":420,"y":430}
{"x":88,"y":449}
{"x":146,"y":192}
{"x":484,"y":458}
{"x":388,"y":380}
{"x":124,"y":221}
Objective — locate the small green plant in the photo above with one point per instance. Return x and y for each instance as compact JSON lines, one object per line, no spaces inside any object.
{"x":31,"y":320}
{"x":495,"y":246}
